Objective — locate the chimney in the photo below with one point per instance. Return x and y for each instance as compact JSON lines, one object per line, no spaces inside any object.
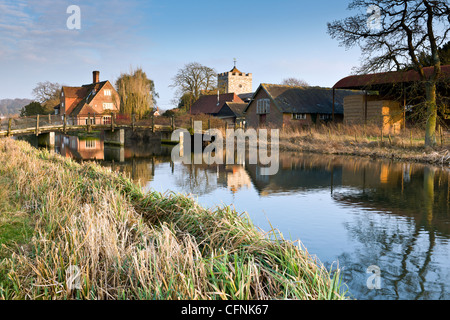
{"x":96,"y":76}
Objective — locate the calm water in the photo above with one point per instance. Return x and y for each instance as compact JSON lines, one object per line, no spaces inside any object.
{"x":357,"y":212}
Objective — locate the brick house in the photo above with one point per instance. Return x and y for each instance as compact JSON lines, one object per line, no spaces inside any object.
{"x":95,"y":101}
{"x":279,"y":106}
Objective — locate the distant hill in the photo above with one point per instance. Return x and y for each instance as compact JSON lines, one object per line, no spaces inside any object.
{"x":12,"y":106}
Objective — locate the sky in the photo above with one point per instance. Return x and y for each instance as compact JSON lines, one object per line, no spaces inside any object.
{"x":273,"y":40}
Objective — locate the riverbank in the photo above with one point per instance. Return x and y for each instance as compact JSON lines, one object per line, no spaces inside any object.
{"x":365,"y":142}
{"x":63,"y":217}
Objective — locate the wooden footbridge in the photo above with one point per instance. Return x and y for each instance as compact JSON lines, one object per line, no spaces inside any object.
{"x":46,"y":126}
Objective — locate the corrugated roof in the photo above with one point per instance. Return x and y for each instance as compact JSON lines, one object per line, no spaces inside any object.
{"x":368,"y":80}
{"x":207,"y":104}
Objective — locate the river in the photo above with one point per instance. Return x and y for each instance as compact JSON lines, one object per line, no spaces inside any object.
{"x":385,"y":224}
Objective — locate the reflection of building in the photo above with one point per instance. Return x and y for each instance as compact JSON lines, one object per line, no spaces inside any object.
{"x":238,"y":178}
{"x":297,"y":172}
{"x":80,"y":149}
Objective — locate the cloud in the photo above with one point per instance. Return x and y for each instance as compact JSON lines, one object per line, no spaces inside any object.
{"x":37,"y":30}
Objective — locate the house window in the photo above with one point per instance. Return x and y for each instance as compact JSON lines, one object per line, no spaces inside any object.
{"x":106,"y":120}
{"x":299,"y":116}
{"x":107,"y":92}
{"x":324,"y":117}
{"x":92,"y":120}
{"x":108,"y":106}
{"x":263,"y":106}
{"x":91,"y":144}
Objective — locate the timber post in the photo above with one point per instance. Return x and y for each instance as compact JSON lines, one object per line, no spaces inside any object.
{"x":173,"y":123}
{"x":9,"y":126}
{"x":89,"y":123}
{"x":37,"y":125}
{"x":153,"y":123}
{"x":64,"y":123}
{"x":49,"y":119}
{"x":133,"y":122}
{"x":112,"y":122}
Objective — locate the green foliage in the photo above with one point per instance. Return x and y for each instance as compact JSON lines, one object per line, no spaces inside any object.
{"x":32,"y":109}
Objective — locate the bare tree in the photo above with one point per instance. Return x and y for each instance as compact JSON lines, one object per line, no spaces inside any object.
{"x":47,"y":94}
{"x":407,"y":28}
{"x":295,"y":82}
{"x":194,"y":80}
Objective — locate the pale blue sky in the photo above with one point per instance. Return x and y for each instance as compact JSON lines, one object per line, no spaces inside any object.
{"x":271,"y":39}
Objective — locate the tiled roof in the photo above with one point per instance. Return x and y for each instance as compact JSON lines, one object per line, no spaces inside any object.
{"x":290,"y":99}
{"x":83,"y":96}
{"x":237,"y":108}
{"x":235,"y":70}
{"x":208,"y":104}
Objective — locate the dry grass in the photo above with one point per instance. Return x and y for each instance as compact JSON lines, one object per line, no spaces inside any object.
{"x":366,"y":141}
{"x":131,"y":245}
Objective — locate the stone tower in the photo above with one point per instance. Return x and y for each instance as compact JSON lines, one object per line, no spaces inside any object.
{"x":235,"y":81}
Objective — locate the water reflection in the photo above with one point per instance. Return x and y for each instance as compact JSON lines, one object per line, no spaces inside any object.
{"x":356,"y":211}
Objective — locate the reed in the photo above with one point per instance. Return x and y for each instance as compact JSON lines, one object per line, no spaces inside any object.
{"x":133,"y":245}
{"x":367,"y":141}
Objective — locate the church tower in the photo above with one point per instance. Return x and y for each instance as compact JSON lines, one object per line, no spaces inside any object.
{"x":235,"y":81}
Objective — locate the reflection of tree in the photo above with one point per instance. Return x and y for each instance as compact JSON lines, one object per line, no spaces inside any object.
{"x":428,"y":192}
{"x":400,"y":247}
{"x":198,"y":180}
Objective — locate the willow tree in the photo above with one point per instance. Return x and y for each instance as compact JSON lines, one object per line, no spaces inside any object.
{"x":392,"y":35}
{"x":136,"y":93}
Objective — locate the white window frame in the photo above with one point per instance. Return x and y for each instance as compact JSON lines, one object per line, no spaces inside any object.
{"x":107,"y":92}
{"x":108,"y":106}
{"x":299,"y":116}
{"x":106,"y":120}
{"x":90,"y":144}
{"x":263,"y":106}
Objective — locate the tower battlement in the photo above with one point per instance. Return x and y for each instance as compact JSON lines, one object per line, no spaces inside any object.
{"x":235,"y":81}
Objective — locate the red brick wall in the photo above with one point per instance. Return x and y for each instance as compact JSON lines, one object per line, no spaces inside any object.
{"x":273,"y":119}
{"x":100,"y":98}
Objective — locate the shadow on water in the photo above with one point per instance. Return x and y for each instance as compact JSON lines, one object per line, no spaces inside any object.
{"x":354,"y":211}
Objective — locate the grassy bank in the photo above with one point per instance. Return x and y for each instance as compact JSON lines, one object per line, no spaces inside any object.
{"x":131,"y":245}
{"x":367,"y":141}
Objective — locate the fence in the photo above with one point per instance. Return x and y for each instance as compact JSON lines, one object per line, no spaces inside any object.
{"x":40,"y":122}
